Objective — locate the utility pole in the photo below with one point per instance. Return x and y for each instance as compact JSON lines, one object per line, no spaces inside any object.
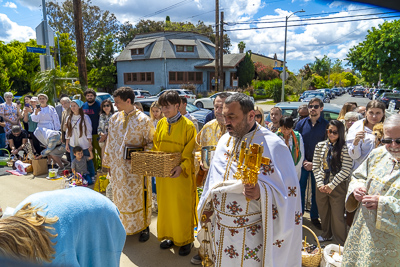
{"x":80,"y":48}
{"x":217,"y":44}
{"x":221,"y":54}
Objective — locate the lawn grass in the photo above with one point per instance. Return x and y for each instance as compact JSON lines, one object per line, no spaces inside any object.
{"x":271,"y":102}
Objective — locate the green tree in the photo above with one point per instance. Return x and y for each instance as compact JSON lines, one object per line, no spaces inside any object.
{"x":378,"y":53}
{"x":337,"y":67}
{"x":96,"y":22}
{"x":246,"y":70}
{"x":318,"y":82}
{"x":103,"y":71}
{"x":241,"y":46}
{"x":67,"y":52}
{"x":320,"y":66}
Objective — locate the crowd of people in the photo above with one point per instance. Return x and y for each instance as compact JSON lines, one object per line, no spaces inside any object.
{"x":354,"y":174}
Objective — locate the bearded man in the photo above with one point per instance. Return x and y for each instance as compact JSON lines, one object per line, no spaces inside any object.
{"x":374,"y":193}
{"x":256,"y":225}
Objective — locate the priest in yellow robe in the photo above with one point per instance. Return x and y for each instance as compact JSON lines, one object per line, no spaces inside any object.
{"x":131,"y":192}
{"x":176,"y":195}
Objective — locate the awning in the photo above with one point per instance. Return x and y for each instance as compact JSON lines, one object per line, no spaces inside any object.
{"x":182,"y":41}
{"x":140,"y":43}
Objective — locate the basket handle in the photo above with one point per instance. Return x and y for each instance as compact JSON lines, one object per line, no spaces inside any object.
{"x":315,"y":236}
{"x":9,"y":154}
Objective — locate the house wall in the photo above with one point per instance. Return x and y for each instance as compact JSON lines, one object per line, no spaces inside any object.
{"x":160,"y":74}
{"x":266,"y":61}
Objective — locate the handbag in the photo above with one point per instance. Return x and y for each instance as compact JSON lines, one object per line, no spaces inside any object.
{"x":39,"y":166}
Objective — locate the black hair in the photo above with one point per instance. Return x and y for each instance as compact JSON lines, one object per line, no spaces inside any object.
{"x":125,"y":93}
{"x":106,"y":101}
{"x":336,"y":164}
{"x":286,"y":122}
{"x":246,"y":105}
{"x":77,"y":149}
{"x":183,"y":100}
{"x":89,"y":91}
{"x":223,"y":95}
{"x":169,"y":98}
{"x":316,"y":99}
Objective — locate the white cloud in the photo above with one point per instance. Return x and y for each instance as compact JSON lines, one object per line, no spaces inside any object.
{"x":10,"y":30}
{"x":10,"y":5}
{"x":31,"y":4}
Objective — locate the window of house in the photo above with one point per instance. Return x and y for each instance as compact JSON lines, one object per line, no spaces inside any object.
{"x":137,"y":51}
{"x":185,"y":48}
{"x":195,"y":77}
{"x":180,"y":48}
{"x":139,"y":78}
{"x":190,"y":48}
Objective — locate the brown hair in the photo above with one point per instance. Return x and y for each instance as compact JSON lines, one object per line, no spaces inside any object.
{"x":376,"y":104}
{"x":106,"y":101}
{"x":25,"y":235}
{"x":316,"y":99}
{"x":69,"y":124}
{"x":155,"y":105}
{"x":346,"y":108}
{"x":170,"y":97}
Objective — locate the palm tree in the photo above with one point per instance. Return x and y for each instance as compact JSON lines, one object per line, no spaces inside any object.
{"x":241,"y":46}
{"x":46,"y":82}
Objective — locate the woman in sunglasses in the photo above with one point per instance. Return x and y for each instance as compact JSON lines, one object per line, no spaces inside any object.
{"x":259,"y":116}
{"x":293,"y":140}
{"x":360,"y":139}
{"x":332,"y":166}
{"x":106,"y":111}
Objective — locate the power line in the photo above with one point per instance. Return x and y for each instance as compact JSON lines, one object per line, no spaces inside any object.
{"x":165,"y":9}
{"x":309,"y":24}
{"x":325,"y":18}
{"x":201,"y":14}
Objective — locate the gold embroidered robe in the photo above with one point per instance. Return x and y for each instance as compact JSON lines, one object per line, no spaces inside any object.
{"x":128,"y":189}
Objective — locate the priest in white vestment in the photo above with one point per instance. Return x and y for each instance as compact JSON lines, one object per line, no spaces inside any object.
{"x":267,"y":229}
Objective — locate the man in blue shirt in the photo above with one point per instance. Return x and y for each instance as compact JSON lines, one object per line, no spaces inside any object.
{"x":313,"y":130}
{"x":92,"y":108}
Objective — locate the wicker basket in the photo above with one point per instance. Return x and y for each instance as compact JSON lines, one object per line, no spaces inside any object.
{"x":312,"y":260}
{"x":154,"y":163}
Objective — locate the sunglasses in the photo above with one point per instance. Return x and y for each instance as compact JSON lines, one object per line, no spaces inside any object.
{"x":313,"y":106}
{"x":390,"y":140}
{"x":258,"y":116}
{"x":106,"y":106}
{"x":333,"y":132}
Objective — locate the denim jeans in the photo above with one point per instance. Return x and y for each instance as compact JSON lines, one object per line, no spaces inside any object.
{"x":2,"y":143}
{"x":90,"y":164}
{"x":303,"y":186}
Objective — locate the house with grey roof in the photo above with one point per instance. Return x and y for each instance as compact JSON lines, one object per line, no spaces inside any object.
{"x":169,"y":59}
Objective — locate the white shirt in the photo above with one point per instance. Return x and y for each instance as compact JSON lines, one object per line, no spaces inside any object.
{"x":75,"y":140}
{"x":47,"y":118}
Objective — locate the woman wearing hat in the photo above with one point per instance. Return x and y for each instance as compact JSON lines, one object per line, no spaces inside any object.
{"x":46,"y":115}
{"x":79,"y":133}
{"x":28,"y":112}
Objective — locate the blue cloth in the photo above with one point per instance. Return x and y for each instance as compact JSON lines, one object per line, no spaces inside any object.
{"x":311,"y":135}
{"x":303,"y":185}
{"x":2,"y":143}
{"x":89,"y":230}
{"x":93,"y":112}
{"x":210,"y":116}
{"x":90,"y":164}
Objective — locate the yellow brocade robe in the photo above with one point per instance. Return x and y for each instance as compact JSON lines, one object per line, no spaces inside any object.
{"x":176,"y":197}
{"x":208,"y":136}
{"x":128,"y":189}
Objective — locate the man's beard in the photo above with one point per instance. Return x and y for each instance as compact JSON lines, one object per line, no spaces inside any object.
{"x":91,"y":101}
{"x":240,"y":130}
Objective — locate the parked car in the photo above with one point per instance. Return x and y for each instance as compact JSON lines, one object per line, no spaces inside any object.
{"x":330,"y":112}
{"x":305,"y":93}
{"x":208,"y":102}
{"x":199,"y":113}
{"x":359,"y":92}
{"x":182,"y":92}
{"x":328,"y":91}
{"x":320,"y":95}
{"x":379,"y":92}
{"x":141,"y":93}
{"x":387,"y":97}
{"x":396,"y":91}
{"x":1,"y":100}
{"x":336,"y":91}
{"x":100,"y":97}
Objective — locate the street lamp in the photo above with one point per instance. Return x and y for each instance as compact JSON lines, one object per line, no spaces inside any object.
{"x":284,"y":56}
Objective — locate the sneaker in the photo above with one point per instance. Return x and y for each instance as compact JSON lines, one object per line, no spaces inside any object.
{"x":323,"y":239}
{"x":196,"y":260}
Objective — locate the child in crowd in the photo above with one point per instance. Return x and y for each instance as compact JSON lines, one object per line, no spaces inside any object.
{"x":155,"y":113}
{"x":79,"y":164}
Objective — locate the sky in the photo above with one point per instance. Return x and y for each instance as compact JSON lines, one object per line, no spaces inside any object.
{"x":308,"y":33}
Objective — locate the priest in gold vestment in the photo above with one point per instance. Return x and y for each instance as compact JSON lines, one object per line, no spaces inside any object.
{"x":374,"y":192}
{"x":131,"y":192}
{"x":176,"y":195}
